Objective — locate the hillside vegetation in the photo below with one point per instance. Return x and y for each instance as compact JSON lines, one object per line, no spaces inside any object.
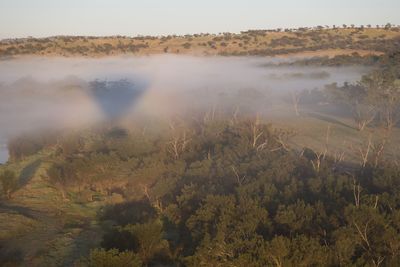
{"x":213,"y":192}
{"x":319,"y":41}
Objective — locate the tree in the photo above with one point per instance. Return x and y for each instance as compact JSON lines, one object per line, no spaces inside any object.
{"x":383,"y":90}
{"x":179,"y":142}
{"x":23,"y":146}
{"x":226,"y":230}
{"x":371,"y":231}
{"x":150,"y":239}
{"x":277,"y":250}
{"x":295,"y":101}
{"x":70,"y":144}
{"x":356,"y":98}
{"x":146,"y":239}
{"x":58,"y":176}
{"x":9,"y":182}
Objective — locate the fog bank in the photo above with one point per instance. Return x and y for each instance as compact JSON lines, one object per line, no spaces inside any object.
{"x":58,"y":93}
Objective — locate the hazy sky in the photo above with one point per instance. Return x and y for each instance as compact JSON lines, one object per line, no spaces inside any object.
{"x":22,"y":18}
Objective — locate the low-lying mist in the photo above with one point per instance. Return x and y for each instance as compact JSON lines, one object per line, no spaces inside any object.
{"x":53,"y":93}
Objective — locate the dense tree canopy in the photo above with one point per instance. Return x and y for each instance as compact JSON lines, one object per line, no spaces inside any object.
{"x":230,"y":193}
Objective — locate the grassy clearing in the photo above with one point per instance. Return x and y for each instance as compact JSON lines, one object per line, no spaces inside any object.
{"x":320,"y":131}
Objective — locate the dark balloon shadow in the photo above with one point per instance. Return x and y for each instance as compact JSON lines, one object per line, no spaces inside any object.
{"x":115,"y":98}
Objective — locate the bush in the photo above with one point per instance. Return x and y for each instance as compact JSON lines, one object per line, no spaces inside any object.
{"x":186,"y":45}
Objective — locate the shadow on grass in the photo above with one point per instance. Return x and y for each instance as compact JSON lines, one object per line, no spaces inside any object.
{"x":10,"y":257}
{"x":329,"y":119}
{"x":28,"y":172}
{"x":27,"y":212}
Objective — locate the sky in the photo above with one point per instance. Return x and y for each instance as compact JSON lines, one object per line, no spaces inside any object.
{"x":41,"y":18}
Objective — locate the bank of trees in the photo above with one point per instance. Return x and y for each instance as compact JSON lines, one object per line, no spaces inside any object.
{"x":237,"y":196}
{"x":218,"y":191}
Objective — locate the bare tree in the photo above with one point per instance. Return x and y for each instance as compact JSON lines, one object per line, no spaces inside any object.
{"x":339,"y":156}
{"x":363,"y":230}
{"x":378,"y":150}
{"x":281,"y":138}
{"x":145,"y":190}
{"x":178,"y":144}
{"x":364,"y":115}
{"x":256,"y":130}
{"x":356,"y":192}
{"x":210,"y":115}
{"x":363,"y":150}
{"x":316,"y":163}
{"x":234,"y":119}
{"x":295,"y":101}
{"x":239,"y":179}
{"x":179,"y":141}
{"x":321,"y":155}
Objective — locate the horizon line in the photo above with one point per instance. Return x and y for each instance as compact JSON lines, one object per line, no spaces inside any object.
{"x":387,"y":25}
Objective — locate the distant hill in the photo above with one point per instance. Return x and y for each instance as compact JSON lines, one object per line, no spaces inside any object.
{"x":308,"y":42}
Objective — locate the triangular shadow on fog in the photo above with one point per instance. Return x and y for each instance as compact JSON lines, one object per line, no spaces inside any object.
{"x":115,"y":98}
